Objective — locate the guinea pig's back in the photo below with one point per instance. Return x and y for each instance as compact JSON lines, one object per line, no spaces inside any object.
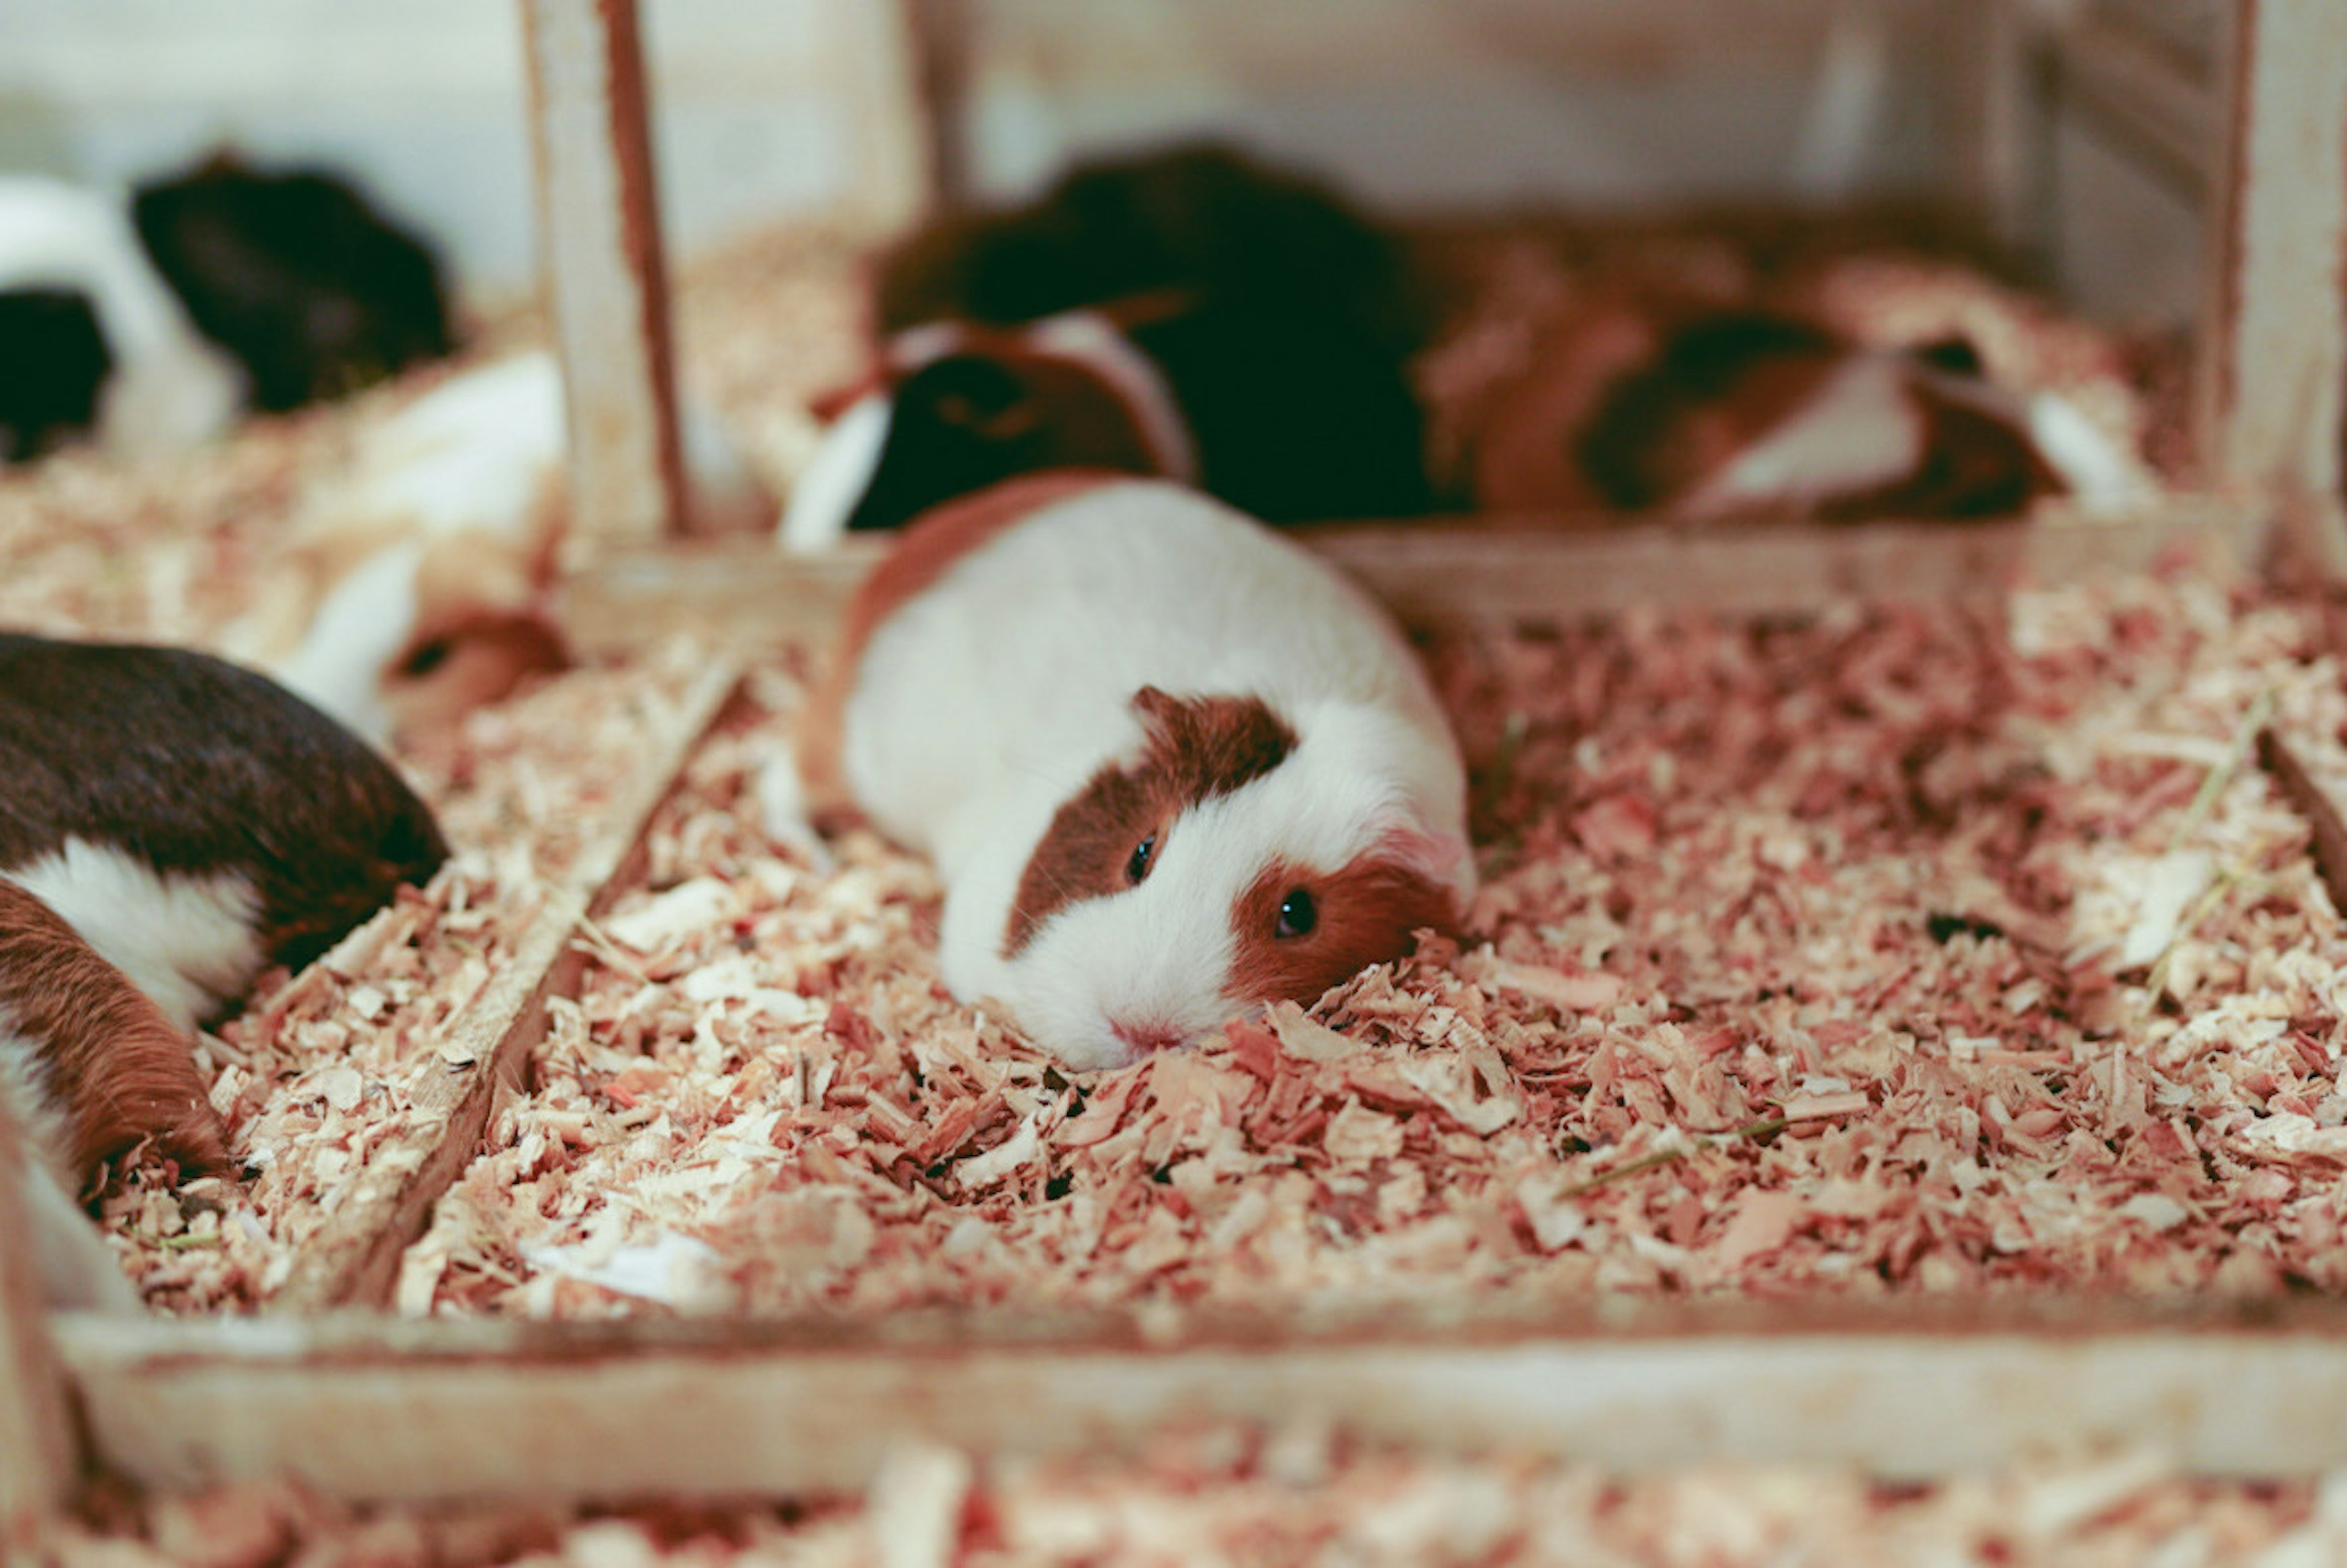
{"x":120,"y":761}
{"x":1009,"y":676}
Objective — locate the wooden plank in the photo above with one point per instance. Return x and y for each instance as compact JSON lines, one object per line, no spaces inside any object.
{"x":2308,"y":797}
{"x":605,"y":279}
{"x":39,"y":1455}
{"x":385,"y":1207}
{"x":2274,"y":332}
{"x":940,"y":41}
{"x":1476,"y":571}
{"x":431,"y":1410}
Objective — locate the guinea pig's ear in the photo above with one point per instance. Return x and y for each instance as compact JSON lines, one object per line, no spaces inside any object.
{"x":1206,"y":746}
{"x":1441,"y":858}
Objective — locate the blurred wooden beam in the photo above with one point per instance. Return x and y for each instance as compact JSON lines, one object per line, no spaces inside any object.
{"x":1479,"y":571}
{"x":372,"y":1410}
{"x":606,"y":281}
{"x":2274,"y":332}
{"x":39,"y":1456}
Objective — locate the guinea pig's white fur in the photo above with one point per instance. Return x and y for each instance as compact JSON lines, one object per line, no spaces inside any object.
{"x":442,"y":534}
{"x":997,"y":694}
{"x":169,"y":388}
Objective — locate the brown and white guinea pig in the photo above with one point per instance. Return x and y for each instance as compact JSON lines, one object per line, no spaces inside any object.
{"x":1189,"y":312}
{"x":416,"y":582}
{"x":1636,"y":404}
{"x":170,"y":825}
{"x":1169,"y":765}
{"x":1286,"y":413}
{"x":152,"y":318}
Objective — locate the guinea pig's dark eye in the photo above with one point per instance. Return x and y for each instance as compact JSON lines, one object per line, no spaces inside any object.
{"x":1145,"y":856}
{"x":1297,"y":915}
{"x":425,"y":657}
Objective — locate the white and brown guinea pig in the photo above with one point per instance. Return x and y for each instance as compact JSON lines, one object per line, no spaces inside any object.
{"x":418,"y":581}
{"x":1286,"y":412}
{"x":170,"y":825}
{"x":1630,"y":406}
{"x":1169,"y":765}
{"x":1187,"y":311}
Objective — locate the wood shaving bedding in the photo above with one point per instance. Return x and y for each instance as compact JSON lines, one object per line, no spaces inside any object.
{"x":1229,"y":1494}
{"x":323,"y":1066}
{"x":1803,"y":963}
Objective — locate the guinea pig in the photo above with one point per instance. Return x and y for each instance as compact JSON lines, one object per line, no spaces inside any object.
{"x":1169,"y":765}
{"x":314,"y":290}
{"x":1198,"y":218}
{"x":1285,"y":412}
{"x":93,"y":342}
{"x":1633,"y":406}
{"x":169,"y":825}
{"x":89,"y":1068}
{"x":193,"y":820}
{"x":416,"y":582}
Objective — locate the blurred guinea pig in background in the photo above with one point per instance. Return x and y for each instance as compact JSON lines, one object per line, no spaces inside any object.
{"x":1637,"y":401}
{"x":150,"y":320}
{"x":170,"y":825}
{"x":1169,"y":765}
{"x":418,"y":581}
{"x":1189,"y":314}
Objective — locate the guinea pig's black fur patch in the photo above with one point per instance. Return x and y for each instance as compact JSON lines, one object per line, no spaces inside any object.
{"x":312,"y":289}
{"x":1197,"y":216}
{"x":197,"y":767}
{"x":53,"y":364}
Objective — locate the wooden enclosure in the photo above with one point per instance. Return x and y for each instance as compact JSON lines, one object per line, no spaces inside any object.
{"x":363,"y":1405}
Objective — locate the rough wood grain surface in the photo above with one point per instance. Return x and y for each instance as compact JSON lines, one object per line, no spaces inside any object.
{"x":607,"y":283}
{"x":427,"y":1411}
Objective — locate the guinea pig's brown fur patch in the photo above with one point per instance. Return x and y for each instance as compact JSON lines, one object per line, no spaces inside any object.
{"x":123,"y":1072}
{"x":1368,"y":912}
{"x":929,"y":546}
{"x":1196,"y":748}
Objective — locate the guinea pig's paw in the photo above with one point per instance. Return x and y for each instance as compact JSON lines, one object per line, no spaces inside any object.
{"x":780,"y":789}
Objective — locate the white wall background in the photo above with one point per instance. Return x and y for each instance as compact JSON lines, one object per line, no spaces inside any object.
{"x":775,"y":107}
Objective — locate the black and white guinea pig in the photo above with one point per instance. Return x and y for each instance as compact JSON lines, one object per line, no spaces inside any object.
{"x":169,"y":825}
{"x":1169,"y":765}
{"x":418,"y":578}
{"x":1285,"y":412}
{"x":1198,"y":218}
{"x":1632,"y":405}
{"x":212,"y":289}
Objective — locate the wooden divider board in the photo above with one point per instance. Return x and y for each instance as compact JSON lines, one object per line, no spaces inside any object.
{"x":427,"y":1411}
{"x":37,"y":1462}
{"x":385,"y":1204}
{"x":1482,"y":571}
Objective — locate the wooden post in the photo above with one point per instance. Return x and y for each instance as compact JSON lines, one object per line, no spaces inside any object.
{"x":2274,"y":348}
{"x":38,"y":1454}
{"x":607,"y":285}
{"x":937,"y":57}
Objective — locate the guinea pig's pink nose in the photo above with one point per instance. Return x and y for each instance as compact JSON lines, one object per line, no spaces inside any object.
{"x":1145,"y":1036}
